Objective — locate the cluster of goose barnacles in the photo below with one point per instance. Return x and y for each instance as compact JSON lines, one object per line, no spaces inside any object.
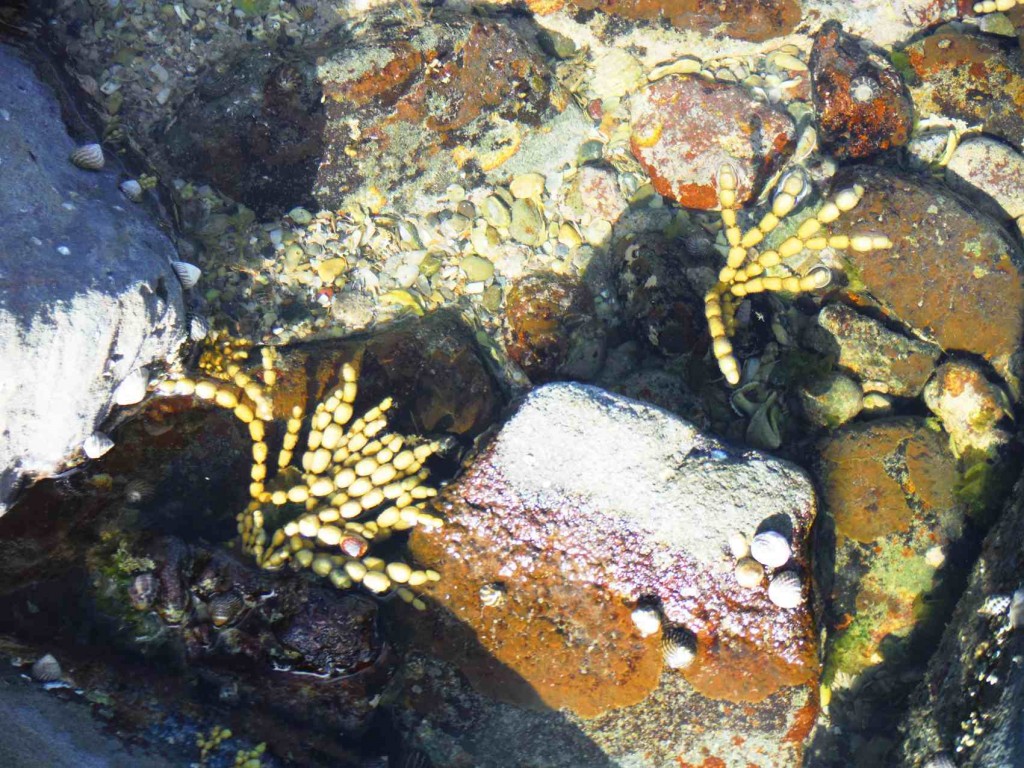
{"x":355,"y":484}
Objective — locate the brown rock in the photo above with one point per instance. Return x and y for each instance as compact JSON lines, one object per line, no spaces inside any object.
{"x":548,"y":315}
{"x":685,"y":128}
{"x":883,"y":360}
{"x":544,"y":512}
{"x":754,"y":20}
{"x":976,"y":78}
{"x":952,"y":275}
{"x":969,"y":406}
{"x":862,"y":103}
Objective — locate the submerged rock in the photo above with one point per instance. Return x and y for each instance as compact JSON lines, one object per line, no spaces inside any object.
{"x":862,"y":104}
{"x":989,"y":172}
{"x":88,"y":296}
{"x":953,"y":275}
{"x":685,"y":128}
{"x":587,"y":503}
{"x":883,"y":360}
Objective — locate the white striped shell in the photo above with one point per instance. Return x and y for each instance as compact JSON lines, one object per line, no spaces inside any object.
{"x":131,"y":189}
{"x":133,"y":388}
{"x":198,"y":327}
{"x":187,"y":273}
{"x":940,"y":760}
{"x":137,"y":490}
{"x":47,"y":669}
{"x":647,"y":620}
{"x":995,"y":605}
{"x":96,"y":445}
{"x":88,"y":156}
{"x":785,"y":589}
{"x":771,"y":549}
{"x":678,"y":648}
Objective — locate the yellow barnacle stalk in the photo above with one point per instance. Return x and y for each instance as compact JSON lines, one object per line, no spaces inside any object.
{"x":745,"y":272}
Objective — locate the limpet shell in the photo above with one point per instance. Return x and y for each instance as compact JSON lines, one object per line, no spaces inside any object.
{"x":142,"y":591}
{"x":940,"y":760}
{"x":738,"y":545}
{"x":47,"y":669}
{"x":785,"y":589}
{"x":198,"y":327}
{"x":137,"y":490}
{"x":678,"y":648}
{"x":133,"y":388}
{"x":131,"y":189}
{"x":995,"y":605}
{"x":749,"y":573}
{"x":88,"y":157}
{"x":188,"y":274}
{"x":771,"y":549}
{"x":647,"y":620}
{"x":224,"y":607}
{"x":96,"y":445}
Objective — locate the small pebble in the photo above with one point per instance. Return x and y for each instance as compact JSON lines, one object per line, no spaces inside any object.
{"x":749,"y":573}
{"x":527,"y":185}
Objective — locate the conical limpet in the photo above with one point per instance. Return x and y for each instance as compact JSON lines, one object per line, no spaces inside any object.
{"x":133,"y":388}
{"x":771,"y":549}
{"x":647,"y":620}
{"x":47,"y":669}
{"x":137,"y":490}
{"x":785,"y":589}
{"x":96,"y":445}
{"x":188,"y":274}
{"x":749,"y":573}
{"x":88,"y":157}
{"x":678,"y":647}
{"x":131,"y":189}
{"x":224,"y":607}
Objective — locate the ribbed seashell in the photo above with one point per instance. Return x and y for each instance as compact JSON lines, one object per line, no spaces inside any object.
{"x":353,"y":545}
{"x":749,"y":573}
{"x":738,"y":545}
{"x":678,"y":647}
{"x":995,"y":605}
{"x":940,"y":760}
{"x":188,"y":274}
{"x":647,"y":620}
{"x":1016,"y":609}
{"x":224,"y":608}
{"x":198,"y":327}
{"x":771,"y":549}
{"x":131,"y":189}
{"x":89,"y":157}
{"x":492,"y":595}
{"x":132,"y":389}
{"x":142,"y":591}
{"x":785,"y":589}
{"x":137,"y":490}
{"x":47,"y":669}
{"x":96,"y":444}
{"x":415,"y":759}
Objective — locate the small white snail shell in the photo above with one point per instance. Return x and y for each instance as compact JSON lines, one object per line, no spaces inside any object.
{"x":88,"y":157}
{"x":771,"y":549}
{"x":131,"y":189}
{"x":187,"y":273}
{"x":47,"y":669}
{"x":678,"y":647}
{"x":133,"y":388}
{"x":785,"y":589}
{"x":646,"y":619}
{"x":96,"y":445}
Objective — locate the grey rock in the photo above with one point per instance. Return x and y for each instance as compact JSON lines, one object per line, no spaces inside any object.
{"x":87,"y":292}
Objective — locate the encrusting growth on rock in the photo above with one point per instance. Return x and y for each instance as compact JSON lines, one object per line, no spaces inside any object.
{"x":745,"y":269}
{"x":354,"y":485}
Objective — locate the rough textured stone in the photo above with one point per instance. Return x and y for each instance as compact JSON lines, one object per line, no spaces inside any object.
{"x":969,"y":406}
{"x":884,"y":361}
{"x":951,"y":270}
{"x":989,"y":172}
{"x":831,"y":400}
{"x":974,"y":678}
{"x":862,"y":103}
{"x":744,"y":19}
{"x":976,"y":78}
{"x":685,"y":128}
{"x":87,"y":292}
{"x":407,"y":110}
{"x":887,"y":553}
{"x":587,"y":502}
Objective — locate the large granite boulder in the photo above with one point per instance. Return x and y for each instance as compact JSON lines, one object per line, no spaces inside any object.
{"x":88,"y":295}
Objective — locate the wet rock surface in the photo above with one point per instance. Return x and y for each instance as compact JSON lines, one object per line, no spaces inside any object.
{"x":949,"y":272}
{"x":862,"y":104}
{"x":883,"y":360}
{"x":684,"y":129}
{"x":542,"y":518}
{"x":88,"y":297}
{"x":989,"y":172}
{"x":975,"y":78}
{"x":889,"y":551}
{"x":968,"y":705}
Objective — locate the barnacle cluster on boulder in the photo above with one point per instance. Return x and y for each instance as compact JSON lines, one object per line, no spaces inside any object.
{"x":355,"y":484}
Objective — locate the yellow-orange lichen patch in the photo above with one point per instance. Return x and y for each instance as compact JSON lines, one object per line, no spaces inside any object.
{"x":734,"y":671}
